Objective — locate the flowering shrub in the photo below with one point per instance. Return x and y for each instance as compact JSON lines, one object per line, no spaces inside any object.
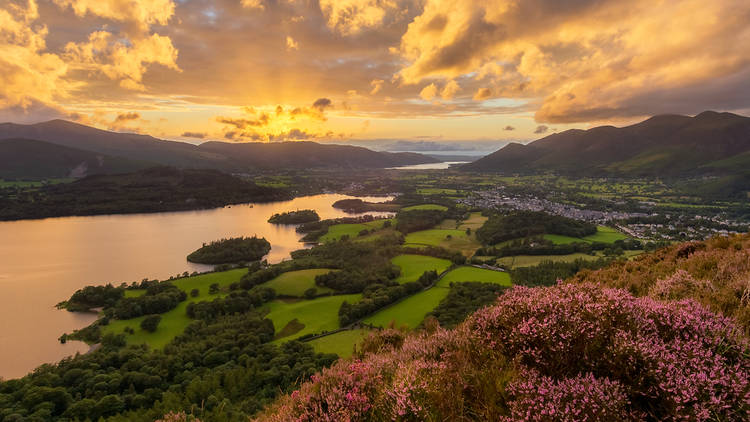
{"x":575,"y":352}
{"x":715,"y":272}
{"x":178,"y":417}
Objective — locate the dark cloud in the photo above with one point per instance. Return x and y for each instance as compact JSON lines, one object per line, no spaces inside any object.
{"x":541,"y":129}
{"x":126,"y":117}
{"x":509,"y":127}
{"x":197,"y":135}
{"x":322,"y":103}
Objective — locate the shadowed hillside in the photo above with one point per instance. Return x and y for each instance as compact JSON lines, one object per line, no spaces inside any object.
{"x":232,"y":157}
{"x":667,"y":145}
{"x":25,"y":158}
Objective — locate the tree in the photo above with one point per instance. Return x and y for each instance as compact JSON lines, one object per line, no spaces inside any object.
{"x":150,"y":323}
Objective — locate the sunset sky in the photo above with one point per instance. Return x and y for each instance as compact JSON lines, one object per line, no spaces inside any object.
{"x":386,"y":70}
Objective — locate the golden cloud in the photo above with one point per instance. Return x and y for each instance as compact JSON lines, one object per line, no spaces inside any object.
{"x":143,"y":13}
{"x":28,"y":73}
{"x":352,"y":16}
{"x":587,"y":59}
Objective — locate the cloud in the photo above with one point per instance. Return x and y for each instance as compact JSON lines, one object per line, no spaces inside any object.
{"x":428,"y":92}
{"x":350,"y":17}
{"x":541,"y":129}
{"x":197,"y":135}
{"x":482,"y":94}
{"x":122,"y":61}
{"x":125,"y":117}
{"x":509,"y":127}
{"x":581,"y":60}
{"x":426,"y":146}
{"x":253,"y":4}
{"x":377,"y":85}
{"x":449,"y":90}
{"x":142,"y":13}
{"x":28,"y":74}
{"x":322,"y":103}
{"x":291,"y":44}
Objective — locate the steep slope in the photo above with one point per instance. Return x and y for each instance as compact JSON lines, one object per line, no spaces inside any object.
{"x":25,"y":158}
{"x":668,"y":145}
{"x":218,"y":155}
{"x":570,"y":352}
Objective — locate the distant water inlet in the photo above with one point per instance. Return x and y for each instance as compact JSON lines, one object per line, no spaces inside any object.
{"x":42,"y":262}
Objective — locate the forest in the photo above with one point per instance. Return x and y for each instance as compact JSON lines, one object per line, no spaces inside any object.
{"x":231,"y":251}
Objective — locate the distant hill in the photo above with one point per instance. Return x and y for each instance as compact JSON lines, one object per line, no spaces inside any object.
{"x":30,"y":159}
{"x":308,"y":154}
{"x":235,"y":157}
{"x":667,"y":145}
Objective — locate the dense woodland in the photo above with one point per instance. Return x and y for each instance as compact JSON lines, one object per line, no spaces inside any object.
{"x":521,"y":224}
{"x":231,"y":251}
{"x":152,"y":190}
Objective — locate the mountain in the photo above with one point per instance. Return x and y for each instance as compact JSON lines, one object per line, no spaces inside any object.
{"x":225,"y":156}
{"x":26,"y":158}
{"x":308,"y":154}
{"x":667,"y":145}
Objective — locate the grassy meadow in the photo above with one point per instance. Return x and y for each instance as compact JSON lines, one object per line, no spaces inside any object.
{"x":295,"y":283}
{"x":292,"y":319}
{"x":413,"y":266}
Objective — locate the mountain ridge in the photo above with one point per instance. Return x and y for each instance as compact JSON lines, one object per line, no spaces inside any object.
{"x":232,"y":157}
{"x":663,"y":145}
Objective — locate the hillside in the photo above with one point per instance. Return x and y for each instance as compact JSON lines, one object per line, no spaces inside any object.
{"x":232,"y":157}
{"x":151,"y":190}
{"x":582,"y":350}
{"x":667,"y":145}
{"x":25,"y":158}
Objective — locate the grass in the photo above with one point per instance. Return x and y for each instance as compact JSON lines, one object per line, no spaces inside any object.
{"x":174,"y":322}
{"x":311,"y":316}
{"x":531,"y":260}
{"x":603,"y":234}
{"x":410,"y":311}
{"x":436,"y":191}
{"x":425,"y":207}
{"x":558,"y":239}
{"x":341,"y":343}
{"x":335,"y":232}
{"x":459,"y":240}
{"x":464,"y":274}
{"x":606,"y":235}
{"x":135,"y":292}
{"x":295,"y":283}
{"x":475,"y":221}
{"x":32,"y":183}
{"x":413,"y":266}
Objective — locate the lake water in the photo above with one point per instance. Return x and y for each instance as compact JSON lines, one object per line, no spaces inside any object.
{"x":42,"y":262}
{"x":430,"y":166}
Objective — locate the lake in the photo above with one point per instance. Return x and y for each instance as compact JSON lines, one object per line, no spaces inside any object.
{"x":42,"y":262}
{"x":430,"y":166}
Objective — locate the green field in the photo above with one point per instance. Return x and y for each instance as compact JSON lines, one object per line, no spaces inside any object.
{"x":475,"y":221}
{"x":458,"y":241}
{"x":436,"y":191}
{"x":605,"y":234}
{"x":295,"y":283}
{"x":173,"y":323}
{"x":341,"y":343}
{"x":463,"y":274}
{"x":558,"y":239}
{"x":530,"y":260}
{"x":335,"y":232}
{"x":413,"y":266}
{"x":294,"y":319}
{"x":425,"y":207}
{"x":32,"y":183}
{"x":134,"y":292}
{"x":410,"y":311}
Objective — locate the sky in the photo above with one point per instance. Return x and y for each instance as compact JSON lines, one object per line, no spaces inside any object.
{"x":380,"y":72}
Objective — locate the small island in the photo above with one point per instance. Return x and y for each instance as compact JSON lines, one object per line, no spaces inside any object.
{"x":295,"y":217}
{"x":355,"y":206}
{"x":231,"y":251}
